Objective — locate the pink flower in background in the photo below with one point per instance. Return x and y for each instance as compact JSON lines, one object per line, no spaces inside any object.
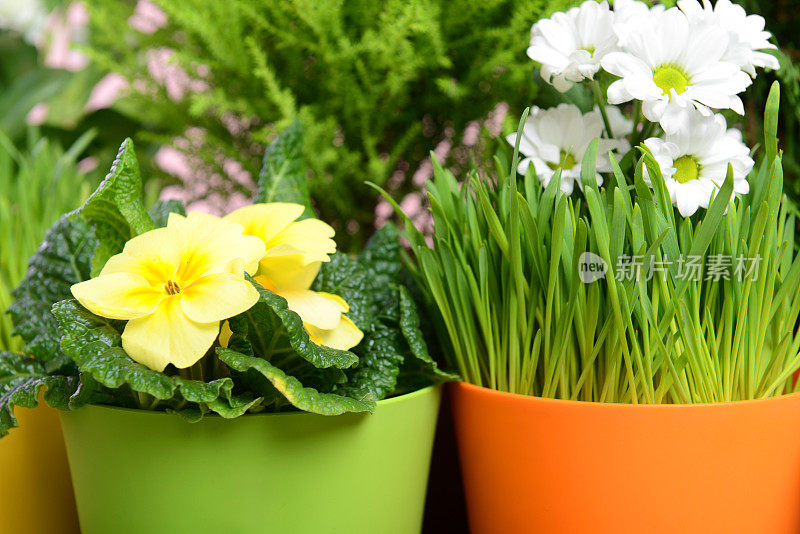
{"x":88,"y":164}
{"x":62,"y":31}
{"x":168,"y":73}
{"x":106,"y":92}
{"x":147,"y":17}
{"x":38,"y":114}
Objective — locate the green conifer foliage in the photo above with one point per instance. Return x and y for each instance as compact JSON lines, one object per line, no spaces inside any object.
{"x":374,"y":83}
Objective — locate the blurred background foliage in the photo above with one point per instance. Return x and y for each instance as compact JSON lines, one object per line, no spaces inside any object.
{"x":377,"y":85}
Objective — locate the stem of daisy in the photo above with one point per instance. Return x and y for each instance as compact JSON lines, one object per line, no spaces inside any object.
{"x":647,"y":131}
{"x":601,"y":103}
{"x":637,"y":117}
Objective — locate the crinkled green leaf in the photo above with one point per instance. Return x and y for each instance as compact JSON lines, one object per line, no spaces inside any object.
{"x":94,"y":343}
{"x":381,"y":256}
{"x":115,"y":210}
{"x":21,"y":379}
{"x":283,"y":174}
{"x":62,"y":259}
{"x":160,"y":211}
{"x":216,"y":396}
{"x":84,"y":334}
{"x":304,"y":398}
{"x":233,"y":407}
{"x":113,"y":368}
{"x":347,"y":278}
{"x":409,"y":326}
{"x":274,"y":327}
{"x":380,"y":355}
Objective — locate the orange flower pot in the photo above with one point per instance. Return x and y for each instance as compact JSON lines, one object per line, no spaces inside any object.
{"x":35,"y":488}
{"x":535,"y":465}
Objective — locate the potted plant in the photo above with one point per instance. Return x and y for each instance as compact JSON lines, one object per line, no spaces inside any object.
{"x":625,"y":321}
{"x":195,"y":357}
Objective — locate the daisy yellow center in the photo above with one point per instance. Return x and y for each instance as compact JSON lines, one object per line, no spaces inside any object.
{"x":567,"y":161}
{"x":172,"y":288}
{"x":668,"y":77}
{"x":686,"y":169}
{"x":590,"y":49}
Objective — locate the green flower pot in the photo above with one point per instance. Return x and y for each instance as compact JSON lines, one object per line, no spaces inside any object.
{"x":150,"y":472}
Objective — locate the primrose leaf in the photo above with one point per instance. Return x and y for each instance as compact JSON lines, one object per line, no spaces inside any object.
{"x":197,"y":391}
{"x":115,"y":210}
{"x":304,"y":398}
{"x":381,"y":255}
{"x":216,"y":396}
{"x":274,"y":327}
{"x":232,"y":407}
{"x":21,"y":379}
{"x":113,"y":368}
{"x":283,"y":174}
{"x":84,"y":334}
{"x":62,"y":259}
{"x":347,"y":278}
{"x":160,"y":211}
{"x":380,"y":355}
{"x":409,"y":326}
{"x":94,"y":344}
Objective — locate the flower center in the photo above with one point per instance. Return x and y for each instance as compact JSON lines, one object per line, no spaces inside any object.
{"x":686,"y":169}
{"x":172,"y":288}
{"x":590,"y":49}
{"x":567,"y":162}
{"x":668,"y":77}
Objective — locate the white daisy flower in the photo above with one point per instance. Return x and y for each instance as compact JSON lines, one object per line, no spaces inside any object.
{"x":747,"y":35}
{"x":570,"y":45}
{"x":674,"y":67}
{"x":558,"y":138}
{"x":628,"y":13}
{"x":694,"y":162}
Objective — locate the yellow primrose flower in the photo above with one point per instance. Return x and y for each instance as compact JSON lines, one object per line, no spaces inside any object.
{"x":174,"y":285}
{"x":295,"y":252}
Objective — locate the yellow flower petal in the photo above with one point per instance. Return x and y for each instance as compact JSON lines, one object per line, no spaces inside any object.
{"x":311,"y":236}
{"x":266,"y":220}
{"x":168,"y":336}
{"x":344,"y":306}
{"x":344,"y":337}
{"x":121,"y":296}
{"x":154,"y":255}
{"x":217,"y":296}
{"x":210,"y":242}
{"x":289,"y":272}
{"x":314,"y":308}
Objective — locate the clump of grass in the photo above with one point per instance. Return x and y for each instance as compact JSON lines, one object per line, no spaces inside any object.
{"x":37,"y":184}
